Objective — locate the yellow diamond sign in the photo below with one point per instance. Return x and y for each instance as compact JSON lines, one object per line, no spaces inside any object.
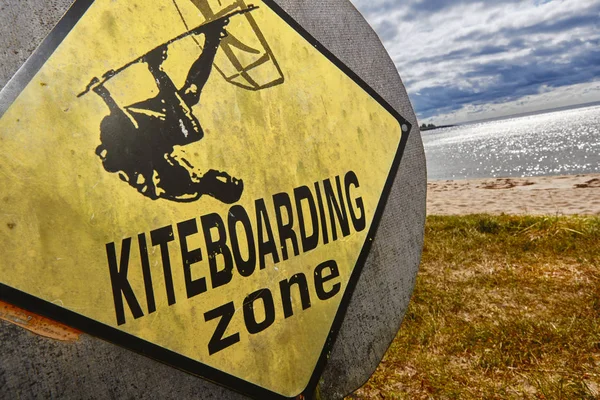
{"x":196,"y":180}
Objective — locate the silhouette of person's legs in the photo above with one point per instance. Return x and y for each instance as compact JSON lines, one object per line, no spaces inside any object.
{"x":138,"y":140}
{"x":199,"y":74}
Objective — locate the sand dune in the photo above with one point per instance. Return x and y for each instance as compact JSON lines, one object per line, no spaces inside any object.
{"x":545,"y":195}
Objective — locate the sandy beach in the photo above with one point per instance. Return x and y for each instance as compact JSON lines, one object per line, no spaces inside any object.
{"x":544,"y":195}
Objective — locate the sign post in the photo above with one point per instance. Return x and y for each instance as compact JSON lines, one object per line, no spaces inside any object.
{"x":206,"y":183}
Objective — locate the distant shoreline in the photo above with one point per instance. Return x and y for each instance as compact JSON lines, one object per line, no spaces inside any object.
{"x":542,"y":195}
{"x":525,"y":114}
{"x":432,"y":128}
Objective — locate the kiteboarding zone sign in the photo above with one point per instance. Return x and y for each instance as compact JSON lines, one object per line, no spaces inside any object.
{"x":199,"y":181}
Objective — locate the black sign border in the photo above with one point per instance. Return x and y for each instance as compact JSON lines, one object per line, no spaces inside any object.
{"x":20,"y":81}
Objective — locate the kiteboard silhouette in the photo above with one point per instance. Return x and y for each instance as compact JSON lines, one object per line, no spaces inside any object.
{"x":138,"y":140}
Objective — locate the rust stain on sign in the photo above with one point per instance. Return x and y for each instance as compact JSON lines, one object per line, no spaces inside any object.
{"x":37,"y":324}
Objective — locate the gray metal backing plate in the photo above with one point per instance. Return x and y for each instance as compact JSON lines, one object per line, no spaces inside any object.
{"x":33,"y":367}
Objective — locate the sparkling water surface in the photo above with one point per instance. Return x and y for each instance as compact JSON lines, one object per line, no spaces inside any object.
{"x":563,"y":142}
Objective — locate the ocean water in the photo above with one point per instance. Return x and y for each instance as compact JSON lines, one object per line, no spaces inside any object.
{"x":565,"y":142}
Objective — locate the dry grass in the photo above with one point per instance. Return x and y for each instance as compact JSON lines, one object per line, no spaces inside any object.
{"x":504,"y":308}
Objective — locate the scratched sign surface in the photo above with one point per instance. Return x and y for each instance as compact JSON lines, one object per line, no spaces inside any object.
{"x":199,"y":181}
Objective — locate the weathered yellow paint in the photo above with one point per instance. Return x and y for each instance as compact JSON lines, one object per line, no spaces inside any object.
{"x":59,"y":207}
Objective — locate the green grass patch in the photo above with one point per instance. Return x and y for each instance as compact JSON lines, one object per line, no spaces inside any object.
{"x":505,"y":307}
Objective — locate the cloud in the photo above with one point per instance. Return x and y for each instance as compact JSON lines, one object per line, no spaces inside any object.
{"x":436,"y":6}
{"x":387,"y":31}
{"x":590,"y":18}
{"x":475,"y":55}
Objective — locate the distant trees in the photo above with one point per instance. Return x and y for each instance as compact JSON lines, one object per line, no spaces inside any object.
{"x":426,"y":127}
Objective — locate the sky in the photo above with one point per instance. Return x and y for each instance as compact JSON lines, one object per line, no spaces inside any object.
{"x":468,"y":60}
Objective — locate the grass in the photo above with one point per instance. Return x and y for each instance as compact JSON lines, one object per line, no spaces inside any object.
{"x":505,"y":307}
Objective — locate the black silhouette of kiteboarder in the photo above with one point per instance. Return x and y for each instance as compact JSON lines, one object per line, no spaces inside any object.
{"x":137,"y":141}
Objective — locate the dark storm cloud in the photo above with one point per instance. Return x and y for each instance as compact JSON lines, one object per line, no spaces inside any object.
{"x":467,"y":53}
{"x":511,"y":82}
